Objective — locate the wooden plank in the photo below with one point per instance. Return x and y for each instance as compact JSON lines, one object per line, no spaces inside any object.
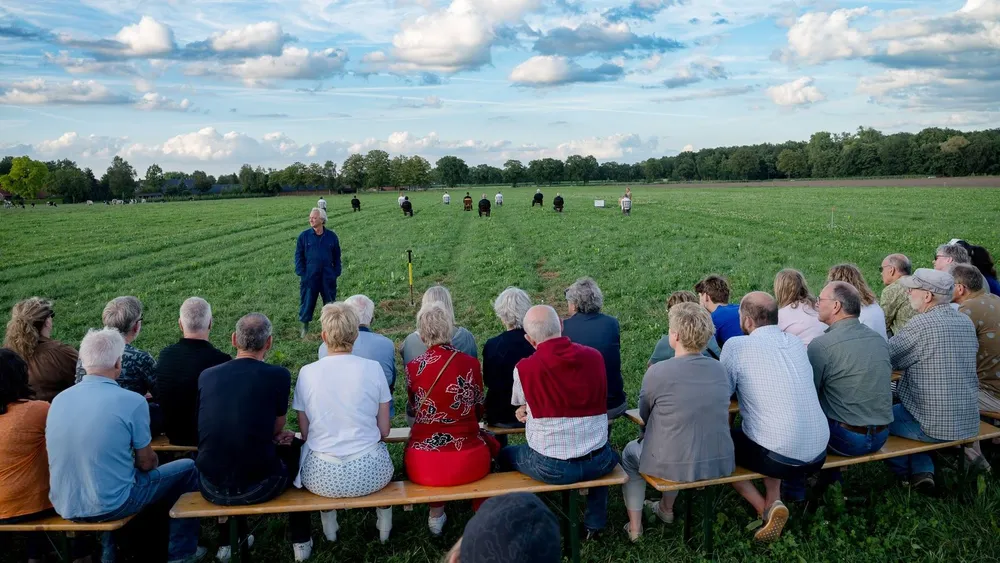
{"x":57,"y":524}
{"x":402,"y":435}
{"x":192,"y":505}
{"x":162,"y":444}
{"x":990,"y":414}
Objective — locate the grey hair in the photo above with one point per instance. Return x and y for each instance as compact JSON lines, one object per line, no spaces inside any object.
{"x":252,"y":332}
{"x":435,"y":325}
{"x":322,"y":214}
{"x":542,"y":326}
{"x":196,"y":314}
{"x":364,"y":307}
{"x":122,"y":313}
{"x":957,"y":254}
{"x":511,"y":306}
{"x":967,"y":275}
{"x":438,"y":294}
{"x":101,"y":349}
{"x":585,"y":296}
{"x":901,"y":263}
{"x":848,"y":296}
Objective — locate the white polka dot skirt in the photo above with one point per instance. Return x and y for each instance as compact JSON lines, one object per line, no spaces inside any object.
{"x":356,"y":478}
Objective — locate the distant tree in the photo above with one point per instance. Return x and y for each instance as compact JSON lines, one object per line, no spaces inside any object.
{"x":417,"y":172}
{"x":69,"y":182}
{"x":744,"y":164}
{"x":397,"y":171}
{"x":452,"y":170}
{"x":378,"y":172}
{"x":793,"y":163}
{"x":330,"y":178}
{"x":581,"y":169}
{"x":513,"y":172}
{"x":25,"y":178}
{"x":255,"y":181}
{"x":652,"y":170}
{"x":352,"y":173}
{"x":895,"y":154}
{"x":822,"y":152}
{"x":175,"y":175}
{"x":202,"y":182}
{"x":121,"y":178}
{"x":229,"y":179}
{"x":154,"y":179}
{"x":685,"y":167}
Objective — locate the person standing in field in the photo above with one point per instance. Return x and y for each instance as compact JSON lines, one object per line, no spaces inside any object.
{"x":895,"y":302}
{"x":317,"y":263}
{"x":713,"y":294}
{"x":321,"y":203}
{"x":498,"y":199}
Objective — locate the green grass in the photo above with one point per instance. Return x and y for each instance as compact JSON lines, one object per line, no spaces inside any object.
{"x":238,"y":255}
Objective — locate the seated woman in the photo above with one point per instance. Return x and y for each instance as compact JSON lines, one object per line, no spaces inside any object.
{"x":462,"y":339}
{"x":51,"y":364}
{"x":342,"y":403}
{"x":684,"y":402}
{"x":445,"y":390}
{"x":872,"y":314}
{"x":796,"y":306}
{"x":501,"y":354}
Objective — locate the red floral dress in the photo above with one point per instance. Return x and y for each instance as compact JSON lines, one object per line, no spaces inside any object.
{"x":445,"y":447}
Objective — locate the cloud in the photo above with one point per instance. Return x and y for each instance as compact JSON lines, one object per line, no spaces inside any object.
{"x":75,"y":65}
{"x":645,"y":10}
{"x":432,"y":102}
{"x":294,"y":63}
{"x":72,"y":145}
{"x":13,"y":27}
{"x":603,"y":39}
{"x":38,"y":91}
{"x":151,"y":101}
{"x":146,"y":38}
{"x":256,"y":38}
{"x":696,"y":71}
{"x":207,"y":145}
{"x":796,"y":93}
{"x":547,"y":70}
{"x":719,"y":21}
{"x":688,"y":148}
{"x":707,"y":94}
{"x":818,"y":37}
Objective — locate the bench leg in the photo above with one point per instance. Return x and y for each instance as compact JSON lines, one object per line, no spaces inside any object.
{"x":574,"y":526}
{"x":687,"y":516}
{"x":65,"y":553}
{"x":707,"y":516}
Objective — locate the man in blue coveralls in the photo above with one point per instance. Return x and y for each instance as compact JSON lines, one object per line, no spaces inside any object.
{"x":317,"y":263}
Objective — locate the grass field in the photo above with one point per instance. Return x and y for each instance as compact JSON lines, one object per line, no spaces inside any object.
{"x":238,"y":255}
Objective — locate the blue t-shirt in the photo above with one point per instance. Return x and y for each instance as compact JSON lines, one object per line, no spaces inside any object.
{"x":90,"y":435}
{"x":727,"y":323}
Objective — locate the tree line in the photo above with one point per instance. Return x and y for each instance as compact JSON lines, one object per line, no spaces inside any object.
{"x":864,"y":153}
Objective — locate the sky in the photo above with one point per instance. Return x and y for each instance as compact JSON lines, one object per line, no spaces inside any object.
{"x":213,"y":84}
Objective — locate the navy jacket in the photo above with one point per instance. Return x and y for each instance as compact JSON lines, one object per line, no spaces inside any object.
{"x":500,"y":356}
{"x":601,"y":332}
{"x":317,"y":257}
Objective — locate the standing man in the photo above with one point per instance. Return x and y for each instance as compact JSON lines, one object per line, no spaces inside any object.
{"x":317,"y":263}
{"x":321,"y":203}
{"x":895,"y":301}
{"x":355,"y":203}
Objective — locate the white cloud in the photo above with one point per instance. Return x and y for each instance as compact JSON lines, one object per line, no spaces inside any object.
{"x":688,"y":148}
{"x":146,"y":38}
{"x":796,"y":93}
{"x":72,"y":145}
{"x":263,"y":37}
{"x":818,"y":37}
{"x":294,"y":63}
{"x":205,"y":145}
{"x":75,"y":65}
{"x":39,"y":91}
{"x":553,"y":70}
{"x":616,"y":146}
{"x":151,"y":101}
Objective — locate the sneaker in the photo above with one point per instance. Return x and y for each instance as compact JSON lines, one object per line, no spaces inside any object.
{"x":922,"y":482}
{"x":196,"y":556}
{"x":632,"y":536}
{"x":436,"y":525}
{"x":330,"y":525}
{"x":304,"y":330}
{"x":667,"y":517}
{"x":383,"y":522}
{"x":225,"y":552}
{"x":303,"y":551}
{"x":774,"y":523}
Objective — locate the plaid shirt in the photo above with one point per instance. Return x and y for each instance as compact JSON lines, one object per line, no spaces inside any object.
{"x":895,"y":303}
{"x":561,"y":437}
{"x":937,"y":353}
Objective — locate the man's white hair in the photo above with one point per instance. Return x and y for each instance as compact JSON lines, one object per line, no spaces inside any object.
{"x":196,"y":314}
{"x":322,"y":214}
{"x":511,"y":306}
{"x":541,"y":323}
{"x":101,"y":349}
{"x":364,"y":307}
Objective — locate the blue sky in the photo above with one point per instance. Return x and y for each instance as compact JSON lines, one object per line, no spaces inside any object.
{"x":215,"y":83}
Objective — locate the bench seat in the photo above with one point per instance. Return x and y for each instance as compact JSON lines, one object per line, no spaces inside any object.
{"x":162,"y":444}
{"x":58,"y":524}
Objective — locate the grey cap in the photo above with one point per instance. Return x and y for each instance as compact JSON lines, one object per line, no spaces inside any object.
{"x":941,"y":283}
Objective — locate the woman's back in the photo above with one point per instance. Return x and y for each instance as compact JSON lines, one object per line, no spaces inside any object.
{"x":24,"y":464}
{"x":802,"y":320}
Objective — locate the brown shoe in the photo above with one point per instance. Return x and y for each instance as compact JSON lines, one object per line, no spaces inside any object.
{"x":774,"y":523}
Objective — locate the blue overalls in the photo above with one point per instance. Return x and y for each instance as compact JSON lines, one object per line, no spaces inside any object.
{"x":317,"y":263}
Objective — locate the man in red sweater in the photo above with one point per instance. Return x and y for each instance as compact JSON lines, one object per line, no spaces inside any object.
{"x":561,"y":392}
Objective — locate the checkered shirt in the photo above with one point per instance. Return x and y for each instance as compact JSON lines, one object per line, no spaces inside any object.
{"x":561,"y":437}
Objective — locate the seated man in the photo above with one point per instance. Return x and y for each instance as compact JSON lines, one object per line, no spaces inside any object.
{"x":245,"y":455}
{"x":178,"y":369}
{"x":355,"y":203}
{"x":446,"y":198}
{"x":558,"y":202}
{"x":484,"y":206}
{"x":784,"y":433}
{"x":537,"y":200}
{"x":138,"y":366}
{"x":939,"y":391}
{"x":561,"y":390}
{"x":401,"y":199}
{"x":713,"y":294}
{"x":101,"y":465}
{"x":467,"y":201}
{"x":498,"y":199}
{"x":894,"y":301}
{"x":626,"y":204}
{"x":407,"y":207}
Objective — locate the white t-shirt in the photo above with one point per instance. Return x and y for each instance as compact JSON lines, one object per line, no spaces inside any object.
{"x":341,"y":396}
{"x":400,"y":200}
{"x":802,"y":321}
{"x":498,"y":199}
{"x":873,"y":317}
{"x":321,"y":204}
{"x":626,"y":204}
{"x":446,"y":198}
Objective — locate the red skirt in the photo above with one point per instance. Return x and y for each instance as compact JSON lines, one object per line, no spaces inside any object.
{"x":448,"y":468}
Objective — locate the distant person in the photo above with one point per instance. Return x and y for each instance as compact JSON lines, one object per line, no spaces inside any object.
{"x":355,"y":203}
{"x":948,"y":254}
{"x":462,"y":339}
{"x":178,"y":369}
{"x":895,"y":300}
{"x":558,"y":203}
{"x":484,"y":206}
{"x":501,"y":354}
{"x":713,"y":294}
{"x":796,"y":306}
{"x":872,"y":315}
{"x":321,"y":203}
{"x":511,"y":528}
{"x":467,"y":202}
{"x":446,"y":198}
{"x":51,"y":364}
{"x":663,"y":351}
{"x":317,"y":263}
{"x":626,"y":205}
{"x":537,"y":199}
{"x":498,"y":199}
{"x":407,"y":207}
{"x":400,"y":199}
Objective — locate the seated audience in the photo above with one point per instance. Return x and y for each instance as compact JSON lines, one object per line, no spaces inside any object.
{"x":939,"y":391}
{"x":178,"y":368}
{"x":663,"y":351}
{"x":355,"y":204}
{"x":124,"y":314}
{"x":513,"y":528}
{"x":561,"y":392}
{"x":558,"y":202}
{"x":462,"y":339}
{"x":895,"y":302}
{"x":713,"y":294}
{"x":51,"y":364}
{"x":371,"y":345}
{"x":784,"y":433}
{"x":626,"y":205}
{"x":101,"y":464}
{"x":501,"y":354}
{"x":484,"y":206}
{"x":245,"y":455}
{"x":981,"y":259}
{"x":445,"y":389}
{"x":948,"y":254}
{"x":589,"y":327}
{"x":684,"y":403}
{"x":342,"y":402}
{"x":796,"y":306}
{"x":872,"y":315}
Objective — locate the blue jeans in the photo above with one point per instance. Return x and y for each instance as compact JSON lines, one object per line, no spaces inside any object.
{"x":164,"y":484}
{"x":845,"y":443}
{"x":905,"y":426}
{"x":553,"y":471}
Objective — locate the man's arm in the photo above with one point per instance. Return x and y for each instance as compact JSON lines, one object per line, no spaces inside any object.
{"x":903,"y":347}
{"x":300,"y":257}
{"x":645,"y":406}
{"x":517,"y":394}
{"x":145,"y":459}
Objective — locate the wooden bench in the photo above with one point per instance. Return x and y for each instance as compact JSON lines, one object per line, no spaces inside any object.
{"x":67,"y":529}
{"x":403,"y":493}
{"x":162,"y":444}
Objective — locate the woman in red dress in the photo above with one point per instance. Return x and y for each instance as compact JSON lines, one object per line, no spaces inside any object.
{"x":445,"y":390}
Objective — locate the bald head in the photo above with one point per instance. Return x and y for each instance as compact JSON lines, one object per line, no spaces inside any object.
{"x":757,"y":309}
{"x":542,"y":323}
{"x":895,"y":266}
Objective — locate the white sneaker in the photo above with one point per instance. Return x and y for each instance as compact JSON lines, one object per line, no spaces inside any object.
{"x":197,"y":556}
{"x":436,"y":525}
{"x":383,"y":522}
{"x":330,"y":525}
{"x":303,"y":551}
{"x":225,"y":552}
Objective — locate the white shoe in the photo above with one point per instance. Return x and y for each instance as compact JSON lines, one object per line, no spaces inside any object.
{"x":197,"y":556}
{"x":330,"y":525}
{"x":383,"y":522}
{"x":225,"y":552}
{"x":436,"y":525}
{"x":303,"y":551}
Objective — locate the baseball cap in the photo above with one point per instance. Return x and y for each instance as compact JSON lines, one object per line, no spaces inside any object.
{"x":514,"y":528}
{"x":941,"y":283}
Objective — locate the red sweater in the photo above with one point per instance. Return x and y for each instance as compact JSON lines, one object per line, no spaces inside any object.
{"x":564,"y":380}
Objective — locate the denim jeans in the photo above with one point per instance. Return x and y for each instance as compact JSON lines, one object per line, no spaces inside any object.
{"x":843,"y":442}
{"x":164,"y":484}
{"x":905,"y":426}
{"x":563,"y":472}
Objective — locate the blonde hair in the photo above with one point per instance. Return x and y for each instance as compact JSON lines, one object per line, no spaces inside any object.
{"x":851,"y":274}
{"x":678,"y":297}
{"x":435,"y":325}
{"x":692,"y":324}
{"x":790,"y":288}
{"x":24,"y":329}
{"x":340,"y":326}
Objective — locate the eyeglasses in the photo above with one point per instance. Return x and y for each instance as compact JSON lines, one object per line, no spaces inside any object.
{"x":936,"y":256}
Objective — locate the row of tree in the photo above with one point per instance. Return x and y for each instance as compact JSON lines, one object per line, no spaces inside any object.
{"x":864,"y":153}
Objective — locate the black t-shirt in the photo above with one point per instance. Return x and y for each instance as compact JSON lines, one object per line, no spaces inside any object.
{"x":484,"y":204}
{"x":500,"y":356}
{"x":238,"y":402}
{"x":177,"y":372}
